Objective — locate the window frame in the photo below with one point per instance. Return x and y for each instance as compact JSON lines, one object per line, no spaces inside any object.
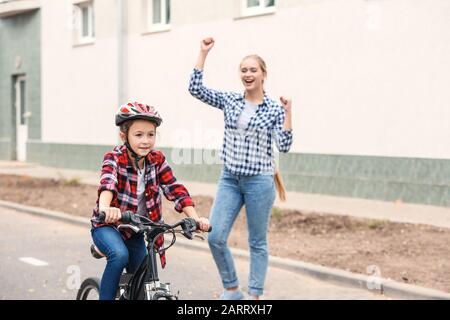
{"x":164,"y":25}
{"x":79,"y":16}
{"x":259,"y":10}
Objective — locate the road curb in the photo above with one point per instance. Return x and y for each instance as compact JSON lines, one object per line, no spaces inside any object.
{"x":387,"y":287}
{"x":55,"y":215}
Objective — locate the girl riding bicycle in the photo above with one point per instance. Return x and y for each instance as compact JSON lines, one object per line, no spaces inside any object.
{"x":131,"y":179}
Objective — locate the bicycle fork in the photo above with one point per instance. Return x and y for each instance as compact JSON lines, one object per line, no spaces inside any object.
{"x":153,"y":288}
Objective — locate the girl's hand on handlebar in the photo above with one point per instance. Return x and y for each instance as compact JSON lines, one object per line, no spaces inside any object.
{"x":112,"y":214}
{"x":203,"y":224}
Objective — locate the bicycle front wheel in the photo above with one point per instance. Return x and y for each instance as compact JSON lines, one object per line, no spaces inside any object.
{"x":89,"y":289}
{"x":163,"y":296}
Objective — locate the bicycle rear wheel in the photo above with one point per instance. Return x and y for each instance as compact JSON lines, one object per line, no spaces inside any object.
{"x":89,"y":289}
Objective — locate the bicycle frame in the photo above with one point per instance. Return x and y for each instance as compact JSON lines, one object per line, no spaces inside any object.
{"x":130,"y":286}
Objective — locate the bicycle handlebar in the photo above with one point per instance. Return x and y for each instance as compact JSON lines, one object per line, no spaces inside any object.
{"x":133,"y":221}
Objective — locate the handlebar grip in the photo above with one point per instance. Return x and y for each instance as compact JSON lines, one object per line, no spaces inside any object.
{"x":101,"y":216}
{"x":197,"y":225}
{"x":126,"y":216}
{"x":190,"y":225}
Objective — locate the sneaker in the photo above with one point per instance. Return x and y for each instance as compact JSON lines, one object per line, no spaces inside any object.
{"x":232,"y":295}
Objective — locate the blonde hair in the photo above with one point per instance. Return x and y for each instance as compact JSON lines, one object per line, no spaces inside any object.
{"x":261,"y":62}
{"x":279,"y":185}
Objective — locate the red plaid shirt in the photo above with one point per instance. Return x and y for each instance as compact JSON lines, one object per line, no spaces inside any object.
{"x":119,"y":176}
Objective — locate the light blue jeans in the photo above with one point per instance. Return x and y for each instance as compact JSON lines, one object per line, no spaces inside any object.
{"x":258,"y":194}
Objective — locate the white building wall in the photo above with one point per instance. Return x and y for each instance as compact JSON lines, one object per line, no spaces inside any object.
{"x":367,"y":77}
{"x":79,"y":83}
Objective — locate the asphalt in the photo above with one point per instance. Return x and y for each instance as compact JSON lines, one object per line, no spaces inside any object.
{"x":47,"y":259}
{"x":366,"y":286}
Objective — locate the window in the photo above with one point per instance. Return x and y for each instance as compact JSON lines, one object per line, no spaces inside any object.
{"x":260,"y":3}
{"x":84,"y":22}
{"x":158,"y":15}
{"x":257,"y":7}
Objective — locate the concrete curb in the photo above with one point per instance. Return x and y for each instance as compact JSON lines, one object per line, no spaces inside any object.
{"x":55,"y":215}
{"x":374,"y":284}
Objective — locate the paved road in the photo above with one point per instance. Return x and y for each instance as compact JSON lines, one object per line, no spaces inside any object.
{"x":40,"y":259}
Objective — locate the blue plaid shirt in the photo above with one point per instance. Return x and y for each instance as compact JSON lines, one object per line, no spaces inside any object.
{"x":247,"y":152}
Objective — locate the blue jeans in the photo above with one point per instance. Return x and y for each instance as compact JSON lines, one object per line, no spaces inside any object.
{"x":119,"y":254}
{"x":258,"y":194}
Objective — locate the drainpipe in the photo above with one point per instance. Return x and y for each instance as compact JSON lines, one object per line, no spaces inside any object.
{"x":121,"y":50}
{"x":121,"y":56}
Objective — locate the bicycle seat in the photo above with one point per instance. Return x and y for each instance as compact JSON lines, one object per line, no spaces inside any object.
{"x":96,"y":253}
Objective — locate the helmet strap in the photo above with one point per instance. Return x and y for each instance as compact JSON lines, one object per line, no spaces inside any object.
{"x":136,"y":157}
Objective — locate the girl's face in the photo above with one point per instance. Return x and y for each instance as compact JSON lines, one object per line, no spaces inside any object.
{"x":252,"y":76}
{"x":141,"y":136}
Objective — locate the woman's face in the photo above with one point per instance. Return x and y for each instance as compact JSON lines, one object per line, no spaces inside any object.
{"x":252,"y":76}
{"x":141,"y":136}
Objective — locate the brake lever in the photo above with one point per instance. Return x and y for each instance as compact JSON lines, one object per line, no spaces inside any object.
{"x":187,"y":235}
{"x":199,"y":236}
{"x":188,"y":227}
{"x":130,"y":226}
{"x":193,"y":235}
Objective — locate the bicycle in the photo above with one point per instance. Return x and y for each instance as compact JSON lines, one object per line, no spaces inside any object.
{"x":144,"y":284}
